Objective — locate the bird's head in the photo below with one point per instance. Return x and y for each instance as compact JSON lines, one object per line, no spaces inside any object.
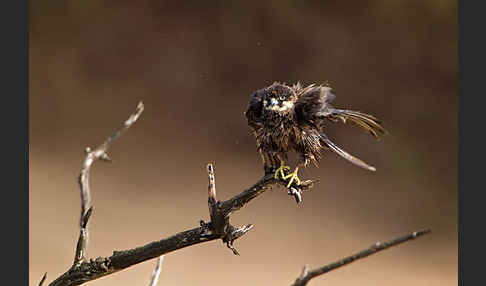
{"x":278,"y":98}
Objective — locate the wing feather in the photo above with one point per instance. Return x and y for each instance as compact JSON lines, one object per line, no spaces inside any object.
{"x":346,"y":155}
{"x":314,"y":105}
{"x":311,"y":101}
{"x":367,"y":122}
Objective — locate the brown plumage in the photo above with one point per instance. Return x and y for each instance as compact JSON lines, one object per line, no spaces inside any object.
{"x":291,"y":118}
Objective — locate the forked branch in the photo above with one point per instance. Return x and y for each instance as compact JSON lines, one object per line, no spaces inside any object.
{"x":100,"y":153}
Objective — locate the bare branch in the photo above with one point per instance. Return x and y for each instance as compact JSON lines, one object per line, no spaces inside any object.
{"x":100,"y":153}
{"x":43,"y":279}
{"x":154,"y":278}
{"x":102,"y":266}
{"x":234,"y":204}
{"x":83,"y":238}
{"x":220,"y":211}
{"x":307,"y":275}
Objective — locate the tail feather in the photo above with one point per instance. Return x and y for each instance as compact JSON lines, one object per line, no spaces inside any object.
{"x":367,"y":122}
{"x":345,"y":154}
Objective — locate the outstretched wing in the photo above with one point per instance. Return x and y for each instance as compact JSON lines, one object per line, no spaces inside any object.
{"x":367,"y":122}
{"x":313,"y":105}
{"x":254,"y":110}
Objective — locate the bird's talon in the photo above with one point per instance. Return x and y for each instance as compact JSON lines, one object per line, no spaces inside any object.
{"x":280,"y":171}
{"x":293,"y":177}
{"x":297,"y":181}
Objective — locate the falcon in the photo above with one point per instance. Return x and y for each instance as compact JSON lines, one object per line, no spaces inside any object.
{"x":292,"y":119}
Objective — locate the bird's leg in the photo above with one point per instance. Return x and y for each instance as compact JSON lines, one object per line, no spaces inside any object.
{"x":280,"y":170}
{"x":293,"y":177}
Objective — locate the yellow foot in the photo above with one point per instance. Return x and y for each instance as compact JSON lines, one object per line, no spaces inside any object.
{"x":280,"y":171}
{"x":293,"y":177}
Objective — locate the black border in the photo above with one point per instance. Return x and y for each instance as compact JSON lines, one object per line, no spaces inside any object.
{"x":472,"y":62}
{"x":14,"y":19}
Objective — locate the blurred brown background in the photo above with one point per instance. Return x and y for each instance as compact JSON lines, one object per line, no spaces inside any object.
{"x":194,"y":64}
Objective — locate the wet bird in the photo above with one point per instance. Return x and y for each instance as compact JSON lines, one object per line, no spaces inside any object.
{"x":292,"y":118}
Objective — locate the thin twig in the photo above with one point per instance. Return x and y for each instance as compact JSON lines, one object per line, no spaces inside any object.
{"x":212,"y":199}
{"x":307,"y":275}
{"x":154,"y":278}
{"x":43,"y":279}
{"x":100,"y":153}
{"x":212,"y":183}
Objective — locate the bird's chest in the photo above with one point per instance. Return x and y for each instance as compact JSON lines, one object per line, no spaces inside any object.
{"x":277,"y":134}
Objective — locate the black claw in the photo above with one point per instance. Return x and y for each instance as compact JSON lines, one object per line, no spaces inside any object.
{"x":229,"y":244}
{"x":296,"y":193}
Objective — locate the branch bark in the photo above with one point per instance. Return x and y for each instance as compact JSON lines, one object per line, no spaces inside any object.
{"x":307,"y":274}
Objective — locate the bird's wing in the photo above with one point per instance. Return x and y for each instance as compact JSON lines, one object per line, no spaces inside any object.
{"x":254,"y":110}
{"x":365,"y":121}
{"x":311,"y":101}
{"x":345,"y":154}
{"x":314,"y":104}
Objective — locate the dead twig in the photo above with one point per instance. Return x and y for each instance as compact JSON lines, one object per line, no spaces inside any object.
{"x":99,"y":153}
{"x":43,"y":279}
{"x":307,"y":274}
{"x":154,"y":278}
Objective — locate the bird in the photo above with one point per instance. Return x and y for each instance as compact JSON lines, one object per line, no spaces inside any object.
{"x":286,"y":119}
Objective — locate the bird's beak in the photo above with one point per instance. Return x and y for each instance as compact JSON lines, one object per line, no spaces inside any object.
{"x":273,"y":102}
